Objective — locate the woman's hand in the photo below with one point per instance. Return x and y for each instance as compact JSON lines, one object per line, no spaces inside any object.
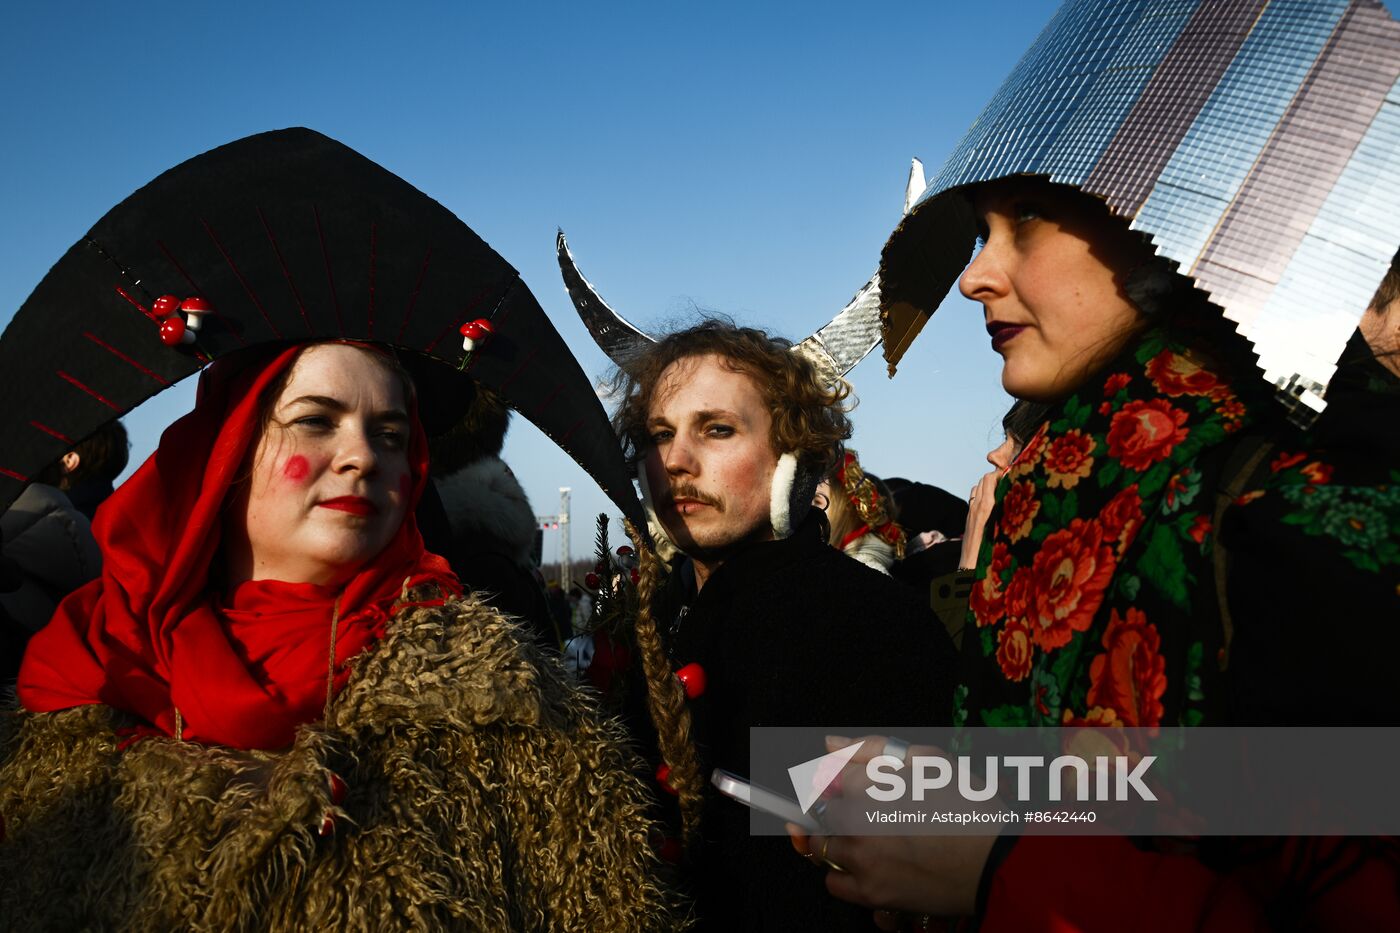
{"x":935,"y":875}
{"x":979,"y":509}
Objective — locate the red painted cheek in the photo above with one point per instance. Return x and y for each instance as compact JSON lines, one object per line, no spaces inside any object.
{"x":296,"y":468}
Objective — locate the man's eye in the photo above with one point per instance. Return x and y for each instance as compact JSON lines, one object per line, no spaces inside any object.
{"x":660,"y":437}
{"x":719,"y":430}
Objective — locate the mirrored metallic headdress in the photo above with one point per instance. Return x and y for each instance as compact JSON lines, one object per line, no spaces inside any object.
{"x":1257,"y":142}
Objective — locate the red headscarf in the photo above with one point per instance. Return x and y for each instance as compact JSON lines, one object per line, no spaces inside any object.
{"x":149,"y":636}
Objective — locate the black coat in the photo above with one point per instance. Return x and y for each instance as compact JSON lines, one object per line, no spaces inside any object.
{"x":794,"y":633}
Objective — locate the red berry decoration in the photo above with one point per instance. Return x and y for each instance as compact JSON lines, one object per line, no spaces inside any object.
{"x":692,"y":678}
{"x":663,"y":777}
{"x":636,"y":577}
{"x":327,"y":825}
{"x":165,"y":306}
{"x":591,"y":581}
{"x":625,"y":551}
{"x":172,"y":332}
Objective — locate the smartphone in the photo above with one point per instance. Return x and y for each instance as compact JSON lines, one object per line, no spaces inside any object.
{"x":763,"y":800}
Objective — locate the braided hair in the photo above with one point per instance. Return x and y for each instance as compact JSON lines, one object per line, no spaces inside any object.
{"x":665,"y":696}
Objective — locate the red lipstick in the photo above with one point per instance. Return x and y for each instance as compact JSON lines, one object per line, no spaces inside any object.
{"x":355,"y":505}
{"x":1002,"y":334}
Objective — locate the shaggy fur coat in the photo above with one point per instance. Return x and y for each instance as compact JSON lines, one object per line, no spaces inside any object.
{"x":484,"y":793}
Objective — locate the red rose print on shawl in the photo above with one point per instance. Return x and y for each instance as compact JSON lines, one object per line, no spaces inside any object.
{"x":1030,"y":454}
{"x":1130,"y":676}
{"x":1174,"y":374}
{"x":1122,"y":518}
{"x":1318,"y":473}
{"x":1145,"y":432}
{"x":1018,"y":510}
{"x":1015,"y":652}
{"x":1067,"y":582}
{"x":1115,"y":384}
{"x":988,"y":597}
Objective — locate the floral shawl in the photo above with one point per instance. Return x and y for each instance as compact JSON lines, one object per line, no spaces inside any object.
{"x":1094,"y":600}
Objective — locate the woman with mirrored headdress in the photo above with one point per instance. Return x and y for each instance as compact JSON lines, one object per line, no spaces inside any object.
{"x":1174,"y":547}
{"x":275,"y":708}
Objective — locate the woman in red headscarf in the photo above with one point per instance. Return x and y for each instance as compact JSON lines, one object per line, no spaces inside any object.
{"x":275,"y":708}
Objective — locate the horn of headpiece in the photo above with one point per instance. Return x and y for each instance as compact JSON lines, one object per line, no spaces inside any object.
{"x":834,"y":349}
{"x":618,"y":337}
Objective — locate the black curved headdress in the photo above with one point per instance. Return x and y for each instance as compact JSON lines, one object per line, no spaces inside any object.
{"x":286,"y":236}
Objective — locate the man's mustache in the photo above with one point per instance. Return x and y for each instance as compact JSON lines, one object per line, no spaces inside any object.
{"x":687,"y":491}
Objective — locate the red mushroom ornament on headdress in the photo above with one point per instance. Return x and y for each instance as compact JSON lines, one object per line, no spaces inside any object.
{"x":176,"y":329}
{"x":173,"y":331}
{"x":195,"y":308}
{"x":474,"y":332}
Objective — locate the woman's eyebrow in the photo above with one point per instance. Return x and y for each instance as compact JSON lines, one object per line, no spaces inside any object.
{"x":335,"y":404}
{"x":325,"y":401}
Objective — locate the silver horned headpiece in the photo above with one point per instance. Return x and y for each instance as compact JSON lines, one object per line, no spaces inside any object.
{"x":834,"y":349}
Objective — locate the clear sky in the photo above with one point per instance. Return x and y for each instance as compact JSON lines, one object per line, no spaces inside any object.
{"x":745,"y":158}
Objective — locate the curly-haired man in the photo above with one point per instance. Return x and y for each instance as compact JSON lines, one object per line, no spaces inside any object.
{"x":733,"y":431}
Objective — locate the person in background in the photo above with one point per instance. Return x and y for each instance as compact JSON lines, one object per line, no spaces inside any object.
{"x":88,"y":472}
{"x":1380,"y":325}
{"x":933,"y":519}
{"x":861,"y":515}
{"x":770,"y":625}
{"x":272,"y":671}
{"x":275,"y":709}
{"x":47,"y":539}
{"x":930,"y":516}
{"x":1021,"y":423}
{"x":1162,"y":449}
{"x":489,"y":528}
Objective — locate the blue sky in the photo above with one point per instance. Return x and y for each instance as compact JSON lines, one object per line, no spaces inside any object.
{"x":743,"y":158}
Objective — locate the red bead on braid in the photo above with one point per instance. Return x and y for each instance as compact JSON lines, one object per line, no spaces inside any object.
{"x":692,"y":678}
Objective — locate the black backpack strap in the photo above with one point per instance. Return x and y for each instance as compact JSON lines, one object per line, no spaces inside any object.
{"x":1244,"y":466}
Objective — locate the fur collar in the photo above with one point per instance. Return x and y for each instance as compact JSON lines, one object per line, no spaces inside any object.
{"x":484,"y":500}
{"x":457,"y":748}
